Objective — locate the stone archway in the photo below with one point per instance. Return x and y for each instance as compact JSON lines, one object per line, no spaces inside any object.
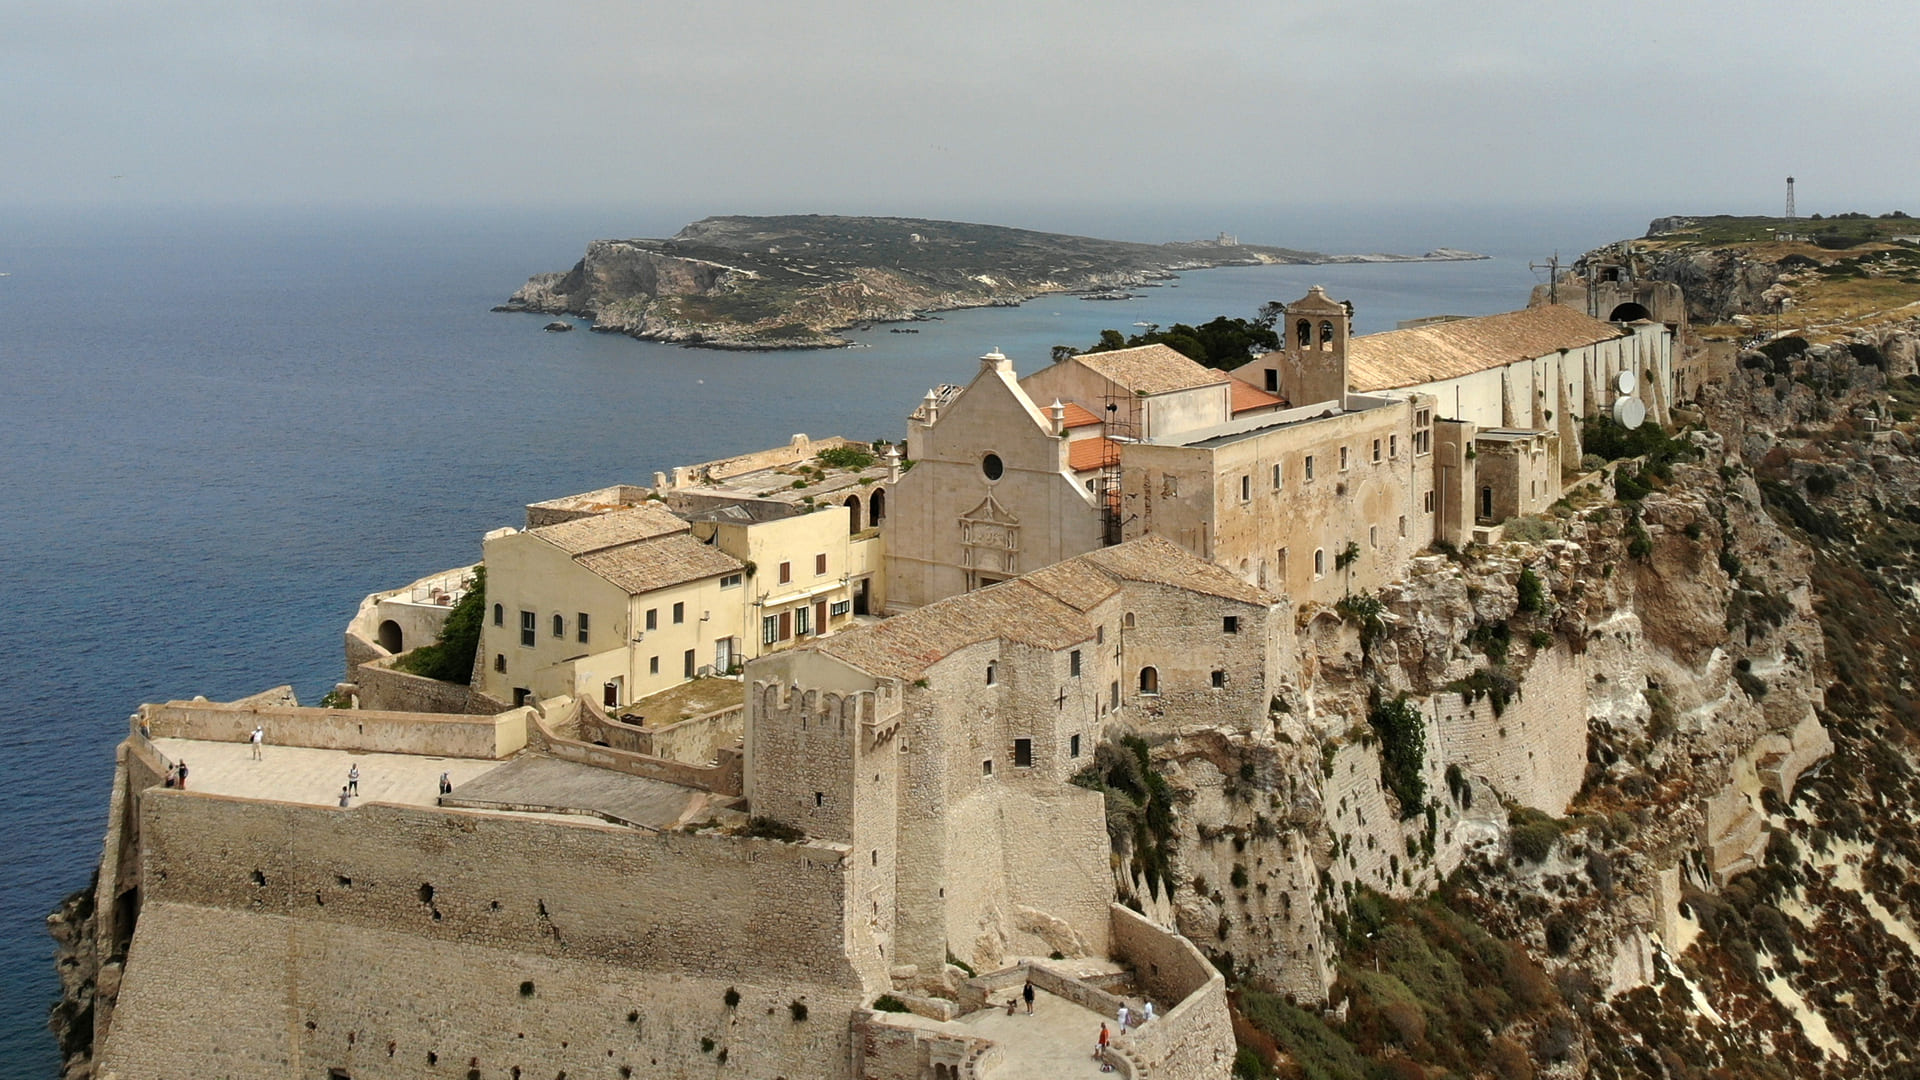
{"x":390,"y":637}
{"x":1629,"y":312}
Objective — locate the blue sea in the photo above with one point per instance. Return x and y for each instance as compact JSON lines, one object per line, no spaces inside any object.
{"x":220,"y":428}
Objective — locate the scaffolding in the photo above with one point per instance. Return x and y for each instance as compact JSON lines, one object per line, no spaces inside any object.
{"x":1118,"y":424}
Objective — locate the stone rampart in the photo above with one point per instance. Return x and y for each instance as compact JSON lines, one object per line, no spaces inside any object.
{"x":260,"y":995}
{"x":891,"y":1047}
{"x":1193,"y":1039}
{"x":725,"y":778}
{"x":699,"y":905}
{"x":364,"y":730}
{"x":695,"y":741}
{"x":1534,"y":749}
{"x":380,"y":687}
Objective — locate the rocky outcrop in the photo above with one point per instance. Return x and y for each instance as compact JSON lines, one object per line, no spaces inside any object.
{"x":794,"y":282}
{"x":85,"y":985}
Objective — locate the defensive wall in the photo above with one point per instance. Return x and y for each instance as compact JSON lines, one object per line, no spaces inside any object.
{"x":367,"y":730}
{"x":546,"y":735}
{"x":376,"y":684}
{"x":696,"y":740}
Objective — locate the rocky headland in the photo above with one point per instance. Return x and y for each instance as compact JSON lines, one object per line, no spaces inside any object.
{"x":795,"y":282}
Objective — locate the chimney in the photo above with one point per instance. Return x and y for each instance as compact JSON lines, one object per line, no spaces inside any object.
{"x":1059,"y":414}
{"x":893,"y":463}
{"x":930,"y":408}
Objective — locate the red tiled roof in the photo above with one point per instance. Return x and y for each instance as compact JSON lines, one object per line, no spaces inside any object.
{"x":1247,"y":397}
{"x":1084,"y":455}
{"x":1079,"y":417}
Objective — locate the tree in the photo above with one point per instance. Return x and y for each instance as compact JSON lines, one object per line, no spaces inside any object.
{"x":1221,"y":343}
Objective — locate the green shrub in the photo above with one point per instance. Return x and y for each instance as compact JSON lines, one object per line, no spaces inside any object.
{"x":1317,"y":1049}
{"x":889,"y":1003}
{"x":1533,"y":595}
{"x":767,"y":828}
{"x":450,"y":658}
{"x":1534,"y":834}
{"x":1403,"y":747}
{"x":853,"y":458}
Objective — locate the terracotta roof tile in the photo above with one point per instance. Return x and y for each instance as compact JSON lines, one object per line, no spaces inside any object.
{"x":1450,"y":349}
{"x":1087,"y":454}
{"x":1151,"y":369}
{"x":656,"y":563}
{"x":1157,"y":559}
{"x":582,"y":535}
{"x":1079,"y":417}
{"x":1076,"y":583}
{"x":1248,"y":397}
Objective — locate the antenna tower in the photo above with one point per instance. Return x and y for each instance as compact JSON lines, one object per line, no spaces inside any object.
{"x":1790,"y":214}
{"x":1552,"y":267}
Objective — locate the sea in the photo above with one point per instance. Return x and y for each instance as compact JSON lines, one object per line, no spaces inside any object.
{"x":221,"y":427}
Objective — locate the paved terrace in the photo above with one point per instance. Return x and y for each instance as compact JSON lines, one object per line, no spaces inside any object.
{"x":533,"y":782}
{"x":298,"y":774}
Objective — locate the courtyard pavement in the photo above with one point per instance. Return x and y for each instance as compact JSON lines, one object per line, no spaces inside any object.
{"x":298,"y":774}
{"x":1056,"y":1041}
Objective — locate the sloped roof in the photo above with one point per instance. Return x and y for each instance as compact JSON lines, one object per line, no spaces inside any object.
{"x":1151,"y":369}
{"x":1086,"y":454}
{"x":1045,"y":609}
{"x":658,"y":562}
{"x":1160,"y":561}
{"x":600,"y":531}
{"x":1248,"y":397}
{"x":1448,"y":350}
{"x":1079,"y":417}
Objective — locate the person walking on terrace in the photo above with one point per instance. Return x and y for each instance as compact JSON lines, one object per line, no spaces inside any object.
{"x":344,"y":798}
{"x":255,"y":738}
{"x":446,"y":784}
{"x":353,"y":779}
{"x":1027,"y":993}
{"x":180,"y":770}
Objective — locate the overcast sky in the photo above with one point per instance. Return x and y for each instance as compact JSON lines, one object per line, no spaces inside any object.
{"x":897,"y":106}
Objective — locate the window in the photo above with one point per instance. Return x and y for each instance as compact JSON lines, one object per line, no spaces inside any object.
{"x":1276,"y":476}
{"x":686,"y":665}
{"x":653,"y":618}
{"x":1429,"y":502}
{"x":819,"y":798}
{"x":1113,"y":695}
{"x":1073,"y":744}
{"x":1307,"y":469}
{"x":580,"y":620}
{"x":499,"y":615}
{"x":786,"y":625}
{"x":1423,"y":432}
{"x":1126,"y":621}
{"x":993,"y":672}
{"x":680,"y":612}
{"x":1393,"y":446}
{"x":1169,"y":485}
{"x":500,"y":662}
{"x":559,"y":626}
{"x":1149,"y":681}
{"x":1403,"y":526}
{"x":1219,"y":679}
{"x":1343,"y":459}
{"x":1373,"y":536}
{"x":731,"y":581}
{"x":802,"y":620}
{"x":1100,"y":634}
{"x":1246,"y":488}
{"x":769,"y":629}
{"x":1273,"y":381}
{"x":653,"y":665}
{"x":1229,"y":624}
{"x":986,"y":767}
{"x":1376,"y":451}
{"x":841,"y":607}
{"x":1073,"y":663}
{"x":992,"y":467}
{"x":1023,"y":753}
{"x":526,"y":628}
{"x":786,"y":572}
{"x":819,"y":564}
{"x":1319,"y":562}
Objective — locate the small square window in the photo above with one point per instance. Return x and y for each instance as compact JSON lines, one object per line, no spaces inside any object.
{"x":1230,"y":624}
{"x":986,"y":767}
{"x":653,"y":665}
{"x":1023,"y":753}
{"x":1219,"y":679}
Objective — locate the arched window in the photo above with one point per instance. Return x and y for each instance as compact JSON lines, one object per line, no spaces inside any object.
{"x":853,"y":514}
{"x":1127,"y":620}
{"x":1305,"y":332}
{"x":500,"y":662}
{"x":559,"y":626}
{"x":1326,"y":332}
{"x":499,"y":615}
{"x":1149,"y":680}
{"x":876,"y":508}
{"x":1319,"y":562}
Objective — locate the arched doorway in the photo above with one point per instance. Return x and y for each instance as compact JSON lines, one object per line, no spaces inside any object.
{"x":853,"y":514}
{"x":1629,"y":312}
{"x":1149,"y":680}
{"x":876,"y":508}
{"x":390,"y":637}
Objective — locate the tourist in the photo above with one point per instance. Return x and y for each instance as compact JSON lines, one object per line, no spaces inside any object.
{"x":145,"y":731}
{"x":344,"y":797}
{"x":1100,"y":1048}
{"x":173,"y":778}
{"x":1124,"y":1015}
{"x":181,"y":771}
{"x":1146,"y":1011}
{"x":258,"y":734}
{"x":446,"y":785}
{"x":1027,"y":993}
{"x":353,"y":779}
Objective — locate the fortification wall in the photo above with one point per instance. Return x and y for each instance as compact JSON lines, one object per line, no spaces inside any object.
{"x":1193,"y":1038}
{"x":381,"y":688}
{"x":712,"y":906}
{"x":257,"y":994}
{"x":725,"y":778}
{"x":434,"y":734}
{"x":892,"y":1047}
{"x":1534,"y":751}
{"x":695,"y":740}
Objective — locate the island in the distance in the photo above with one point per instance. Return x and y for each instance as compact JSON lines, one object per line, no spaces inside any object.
{"x":794,"y":282}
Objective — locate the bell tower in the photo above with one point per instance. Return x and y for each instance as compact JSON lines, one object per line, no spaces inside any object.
{"x":1313,"y":349}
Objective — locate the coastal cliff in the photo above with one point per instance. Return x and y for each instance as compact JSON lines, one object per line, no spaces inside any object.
{"x":796,"y":281}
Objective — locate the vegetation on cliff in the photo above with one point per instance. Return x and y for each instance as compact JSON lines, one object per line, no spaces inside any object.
{"x":450,"y":657}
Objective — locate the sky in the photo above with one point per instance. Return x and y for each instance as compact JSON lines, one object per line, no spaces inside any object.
{"x":923,"y":107}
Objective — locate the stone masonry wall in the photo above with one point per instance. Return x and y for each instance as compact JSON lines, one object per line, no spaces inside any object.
{"x":252,"y":994}
{"x":441,"y":734}
{"x":669,"y":903}
{"x":1535,"y":751}
{"x":1193,"y":1038}
{"x":381,"y":688}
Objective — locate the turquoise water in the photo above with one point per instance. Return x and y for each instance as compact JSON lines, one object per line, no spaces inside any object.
{"x":219,"y":430}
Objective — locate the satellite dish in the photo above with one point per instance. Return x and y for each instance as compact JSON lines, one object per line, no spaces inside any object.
{"x":1629,"y":413}
{"x":1623,"y":382}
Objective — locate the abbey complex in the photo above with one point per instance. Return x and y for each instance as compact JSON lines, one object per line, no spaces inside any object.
{"x":1121,"y":678}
